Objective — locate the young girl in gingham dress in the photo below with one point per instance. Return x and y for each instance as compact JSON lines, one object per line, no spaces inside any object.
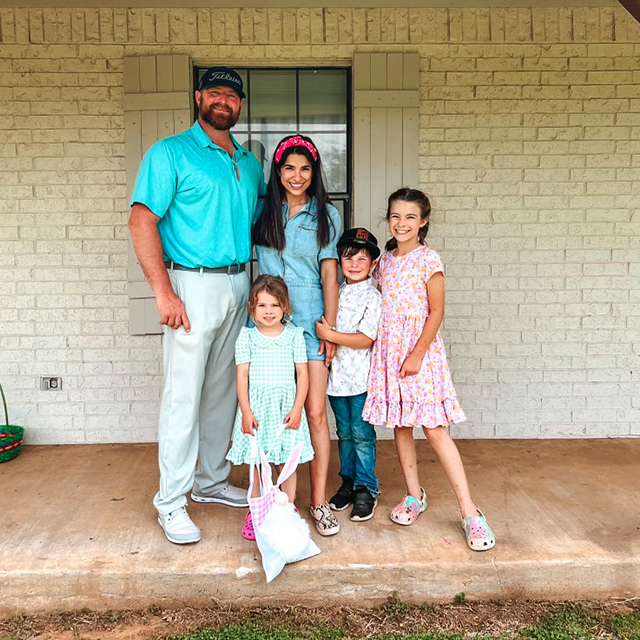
{"x":272,"y":382}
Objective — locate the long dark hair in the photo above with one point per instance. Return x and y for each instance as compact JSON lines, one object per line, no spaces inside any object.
{"x":418,"y":197}
{"x":268,"y":230}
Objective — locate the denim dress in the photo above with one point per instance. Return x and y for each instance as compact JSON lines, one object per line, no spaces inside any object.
{"x":299,"y":265}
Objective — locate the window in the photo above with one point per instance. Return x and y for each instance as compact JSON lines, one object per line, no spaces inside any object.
{"x":311,"y":101}
{"x":158,"y":102}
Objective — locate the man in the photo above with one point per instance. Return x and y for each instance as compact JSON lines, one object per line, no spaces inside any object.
{"x":194,"y":201}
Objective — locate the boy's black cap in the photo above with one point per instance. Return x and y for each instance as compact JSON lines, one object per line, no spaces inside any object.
{"x":225,"y":76}
{"x":360,"y":237}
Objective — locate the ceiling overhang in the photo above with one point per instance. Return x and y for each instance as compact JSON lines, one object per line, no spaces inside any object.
{"x":633,"y":7}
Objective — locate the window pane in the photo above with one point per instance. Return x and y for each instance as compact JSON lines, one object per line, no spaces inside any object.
{"x":333,"y":151}
{"x":241,"y":138}
{"x":340,"y":206}
{"x":272,"y":100}
{"x":262,"y":145}
{"x":323,"y":100}
{"x":242,"y":122}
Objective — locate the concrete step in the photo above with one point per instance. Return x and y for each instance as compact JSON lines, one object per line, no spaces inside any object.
{"x":79,"y":530}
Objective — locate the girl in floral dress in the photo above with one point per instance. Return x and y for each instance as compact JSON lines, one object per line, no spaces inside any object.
{"x":409,"y":382}
{"x":272,"y":382}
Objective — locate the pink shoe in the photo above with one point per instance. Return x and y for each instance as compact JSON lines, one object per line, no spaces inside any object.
{"x":478,"y":533}
{"x":407,"y":511}
{"x":248,"y":532}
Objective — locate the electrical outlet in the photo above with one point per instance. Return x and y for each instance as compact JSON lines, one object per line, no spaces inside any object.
{"x":48,"y":383}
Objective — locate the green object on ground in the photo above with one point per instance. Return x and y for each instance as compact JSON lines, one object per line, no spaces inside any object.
{"x":396,"y":620}
{"x":10,"y":435}
{"x":255,"y":630}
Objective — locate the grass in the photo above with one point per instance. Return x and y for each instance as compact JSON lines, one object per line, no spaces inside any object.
{"x":258,"y":631}
{"x":570,"y":622}
{"x":253,"y":631}
{"x":394,"y":620}
{"x":625,"y":626}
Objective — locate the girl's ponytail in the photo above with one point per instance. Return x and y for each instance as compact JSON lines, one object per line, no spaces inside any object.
{"x":410,"y":195}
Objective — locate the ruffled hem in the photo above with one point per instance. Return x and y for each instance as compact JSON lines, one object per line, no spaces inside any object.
{"x":413,"y":414}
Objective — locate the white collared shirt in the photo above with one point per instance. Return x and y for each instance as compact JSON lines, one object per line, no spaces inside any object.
{"x":359,"y":309}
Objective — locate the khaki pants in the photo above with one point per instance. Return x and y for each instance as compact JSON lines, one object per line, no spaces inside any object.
{"x":199,"y":399}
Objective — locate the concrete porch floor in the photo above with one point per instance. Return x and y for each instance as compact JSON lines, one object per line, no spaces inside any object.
{"x":78,"y":530}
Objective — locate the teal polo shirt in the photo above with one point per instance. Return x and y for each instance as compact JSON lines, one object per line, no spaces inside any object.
{"x":205,"y":212}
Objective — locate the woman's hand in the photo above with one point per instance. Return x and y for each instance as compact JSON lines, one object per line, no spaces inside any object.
{"x":293,"y":419}
{"x":249,"y":424}
{"x":323,"y":329}
{"x":329,"y":280}
{"x":411,"y":365}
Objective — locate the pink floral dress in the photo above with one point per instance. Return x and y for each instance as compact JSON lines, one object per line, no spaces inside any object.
{"x":428,"y":398}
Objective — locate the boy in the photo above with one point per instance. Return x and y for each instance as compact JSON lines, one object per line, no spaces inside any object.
{"x":356,"y":329}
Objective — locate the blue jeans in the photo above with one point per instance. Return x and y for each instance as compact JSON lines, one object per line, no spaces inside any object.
{"x":356,"y":442}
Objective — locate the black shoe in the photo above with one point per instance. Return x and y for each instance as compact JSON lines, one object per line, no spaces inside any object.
{"x":364,"y":504}
{"x":343,"y":496}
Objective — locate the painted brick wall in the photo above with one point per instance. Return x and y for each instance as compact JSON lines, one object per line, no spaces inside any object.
{"x":530,"y":149}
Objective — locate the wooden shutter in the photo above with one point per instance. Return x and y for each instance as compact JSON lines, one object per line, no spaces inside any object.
{"x":385,"y":103}
{"x":157,"y":104}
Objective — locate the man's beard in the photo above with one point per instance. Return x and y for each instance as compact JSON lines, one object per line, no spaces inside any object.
{"x":222,"y":121}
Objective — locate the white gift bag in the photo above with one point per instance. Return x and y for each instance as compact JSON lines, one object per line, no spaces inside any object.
{"x":282,"y":535}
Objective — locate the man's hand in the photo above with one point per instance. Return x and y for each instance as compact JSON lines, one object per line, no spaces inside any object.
{"x":172,"y":311}
{"x":143,"y":225}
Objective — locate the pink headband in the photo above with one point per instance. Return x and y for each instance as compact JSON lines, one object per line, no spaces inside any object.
{"x":296,"y":141}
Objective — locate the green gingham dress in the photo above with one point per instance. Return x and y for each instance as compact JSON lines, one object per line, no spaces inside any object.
{"x":272,"y":394}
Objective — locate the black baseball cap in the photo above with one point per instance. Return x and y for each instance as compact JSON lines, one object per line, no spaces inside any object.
{"x":360,"y":237}
{"x":225,"y":76}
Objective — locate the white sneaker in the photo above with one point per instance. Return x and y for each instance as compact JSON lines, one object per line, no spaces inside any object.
{"x":178,"y":527}
{"x":229,"y":495}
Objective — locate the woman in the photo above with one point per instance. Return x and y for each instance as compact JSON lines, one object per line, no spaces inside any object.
{"x":295,"y":238}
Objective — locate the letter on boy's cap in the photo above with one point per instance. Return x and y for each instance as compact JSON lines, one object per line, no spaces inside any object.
{"x":360,"y":237}
{"x":222,"y":76}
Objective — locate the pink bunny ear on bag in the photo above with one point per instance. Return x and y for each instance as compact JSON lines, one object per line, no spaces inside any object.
{"x":290,"y":465}
{"x":267,"y":480}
